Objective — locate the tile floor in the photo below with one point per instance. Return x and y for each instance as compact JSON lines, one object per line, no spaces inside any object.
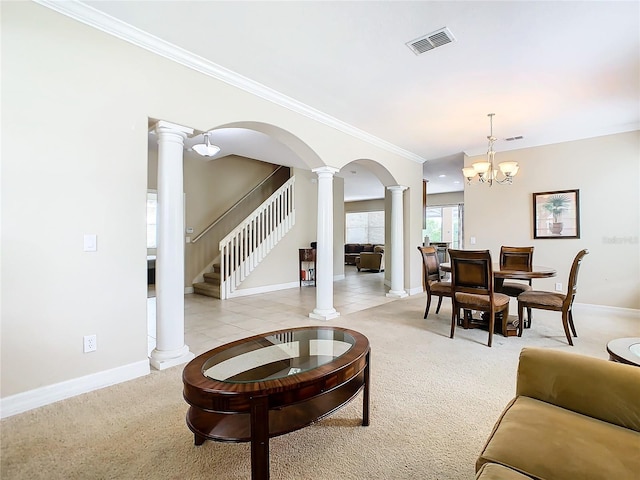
{"x":210,"y":322}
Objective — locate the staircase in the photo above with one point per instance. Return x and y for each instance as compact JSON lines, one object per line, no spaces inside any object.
{"x":211,"y":285}
{"x":249,"y":243}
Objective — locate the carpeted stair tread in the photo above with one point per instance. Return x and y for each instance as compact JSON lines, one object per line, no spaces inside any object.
{"x":212,"y":277}
{"x":208,"y":289}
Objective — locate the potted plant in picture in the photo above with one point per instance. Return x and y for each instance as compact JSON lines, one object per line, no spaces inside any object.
{"x":555,"y":205}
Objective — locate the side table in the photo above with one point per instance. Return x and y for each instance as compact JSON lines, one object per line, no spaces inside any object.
{"x":307,"y":266}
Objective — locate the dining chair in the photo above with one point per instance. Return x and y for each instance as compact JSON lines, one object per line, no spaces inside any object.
{"x":432,"y":281}
{"x":472,"y":289}
{"x":558,"y":302}
{"x":517,"y":257}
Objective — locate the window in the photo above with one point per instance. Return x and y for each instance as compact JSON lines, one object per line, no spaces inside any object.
{"x":444,"y":224}
{"x":365,"y":227}
{"x":152,"y":219}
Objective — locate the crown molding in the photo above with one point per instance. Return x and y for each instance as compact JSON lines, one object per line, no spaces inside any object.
{"x":108,"y":24}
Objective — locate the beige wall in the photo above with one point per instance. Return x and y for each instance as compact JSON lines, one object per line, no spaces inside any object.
{"x":364,"y":206}
{"x":89,"y":96}
{"x":451,"y":198}
{"x":606,"y":170}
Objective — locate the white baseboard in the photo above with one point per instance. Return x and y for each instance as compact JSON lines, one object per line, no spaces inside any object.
{"x":618,"y":311}
{"x":245,"y":292}
{"x":22,"y":402}
{"x":415,"y":290}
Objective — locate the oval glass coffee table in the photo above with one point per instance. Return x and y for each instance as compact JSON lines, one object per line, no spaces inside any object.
{"x":271,"y":384}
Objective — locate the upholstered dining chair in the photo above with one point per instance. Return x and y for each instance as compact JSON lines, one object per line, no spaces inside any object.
{"x":432,"y":281}
{"x":472,"y":289}
{"x":558,"y":302}
{"x":517,"y":257}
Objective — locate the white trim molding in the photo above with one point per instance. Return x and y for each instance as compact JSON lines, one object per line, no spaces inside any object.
{"x":414,"y":291}
{"x":108,"y":24}
{"x":618,"y":311}
{"x":39,"y":397}
{"x":245,"y":292}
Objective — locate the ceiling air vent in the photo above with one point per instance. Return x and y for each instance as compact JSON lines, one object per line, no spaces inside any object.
{"x":511,"y":139}
{"x":431,"y":41}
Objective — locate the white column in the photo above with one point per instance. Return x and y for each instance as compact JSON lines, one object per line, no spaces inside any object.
{"x":397,"y":242}
{"x":324,"y":251}
{"x":170,"y":348}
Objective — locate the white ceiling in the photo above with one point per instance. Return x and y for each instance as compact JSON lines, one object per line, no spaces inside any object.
{"x":551,"y":71}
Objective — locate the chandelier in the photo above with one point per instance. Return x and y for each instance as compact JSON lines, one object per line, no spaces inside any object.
{"x":206,"y":149}
{"x":485,"y":170}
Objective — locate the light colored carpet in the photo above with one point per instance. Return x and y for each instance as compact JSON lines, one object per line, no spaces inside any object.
{"x":434,"y":401}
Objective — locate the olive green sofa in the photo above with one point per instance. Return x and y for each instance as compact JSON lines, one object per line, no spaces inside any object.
{"x":573,"y":417}
{"x":353,"y":250}
{"x":371,"y":260}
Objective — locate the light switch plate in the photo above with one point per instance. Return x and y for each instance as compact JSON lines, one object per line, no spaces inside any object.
{"x":90,"y":242}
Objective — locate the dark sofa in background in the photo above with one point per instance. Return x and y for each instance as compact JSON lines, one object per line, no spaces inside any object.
{"x":353,"y":251}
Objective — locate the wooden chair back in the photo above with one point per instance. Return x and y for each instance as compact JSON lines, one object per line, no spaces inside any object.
{"x":431,"y":264}
{"x":572,"y":284}
{"x":516,"y":257}
{"x":431,"y":277}
{"x":471,"y":271}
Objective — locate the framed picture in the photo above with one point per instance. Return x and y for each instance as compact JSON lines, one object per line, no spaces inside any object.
{"x":556,"y":214}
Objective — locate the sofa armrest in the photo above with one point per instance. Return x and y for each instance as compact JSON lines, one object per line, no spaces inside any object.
{"x":594,"y":387}
{"x":371,"y":261}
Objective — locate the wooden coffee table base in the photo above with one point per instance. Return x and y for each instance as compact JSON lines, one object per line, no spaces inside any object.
{"x":255,"y":412}
{"x":260,"y":423}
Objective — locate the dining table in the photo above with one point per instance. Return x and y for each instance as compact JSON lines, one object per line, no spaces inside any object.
{"x":512,"y":273}
{"x":500,"y":274}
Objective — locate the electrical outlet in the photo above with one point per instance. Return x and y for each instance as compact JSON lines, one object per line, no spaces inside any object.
{"x":90,"y":343}
{"x":558,"y":287}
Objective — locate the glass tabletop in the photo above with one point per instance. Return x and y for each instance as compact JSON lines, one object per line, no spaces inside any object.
{"x":277,"y":355}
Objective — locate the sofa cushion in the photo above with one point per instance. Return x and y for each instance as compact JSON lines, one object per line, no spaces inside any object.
{"x":352,"y":248}
{"x":608,"y":391}
{"x":494,"y":471}
{"x":548,"y":442}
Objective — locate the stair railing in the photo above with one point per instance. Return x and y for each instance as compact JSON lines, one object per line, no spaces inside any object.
{"x":249,"y":243}
{"x":233,"y":207}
